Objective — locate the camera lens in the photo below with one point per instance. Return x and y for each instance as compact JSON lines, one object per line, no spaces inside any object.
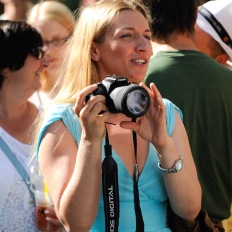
{"x":137,"y":102}
{"x":131,"y":100}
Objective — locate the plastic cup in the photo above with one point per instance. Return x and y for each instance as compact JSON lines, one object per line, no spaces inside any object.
{"x":43,"y":201}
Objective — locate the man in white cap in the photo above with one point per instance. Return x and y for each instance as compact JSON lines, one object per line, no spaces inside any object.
{"x":213,"y":30}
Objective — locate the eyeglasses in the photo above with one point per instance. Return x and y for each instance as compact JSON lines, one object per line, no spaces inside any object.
{"x":38,"y":53}
{"x":57,"y":42}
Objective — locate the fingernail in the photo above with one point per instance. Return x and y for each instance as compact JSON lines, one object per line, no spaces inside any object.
{"x":48,"y":218}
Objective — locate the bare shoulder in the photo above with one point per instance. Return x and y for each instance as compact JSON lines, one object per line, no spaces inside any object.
{"x":57,"y":140}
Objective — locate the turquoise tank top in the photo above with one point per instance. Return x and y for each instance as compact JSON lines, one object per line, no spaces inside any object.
{"x":152,"y":192}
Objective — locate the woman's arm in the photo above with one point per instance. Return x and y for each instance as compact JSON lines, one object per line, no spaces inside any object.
{"x":183,"y":187}
{"x":72,"y":171}
{"x":73,"y":176}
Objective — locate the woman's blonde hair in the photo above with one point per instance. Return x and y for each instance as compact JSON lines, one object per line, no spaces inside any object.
{"x":94,"y":21}
{"x":54,"y":10}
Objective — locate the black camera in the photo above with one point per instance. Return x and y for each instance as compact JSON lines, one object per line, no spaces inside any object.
{"x":123,"y":96}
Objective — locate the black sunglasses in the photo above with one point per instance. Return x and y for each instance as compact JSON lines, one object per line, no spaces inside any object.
{"x":38,"y":53}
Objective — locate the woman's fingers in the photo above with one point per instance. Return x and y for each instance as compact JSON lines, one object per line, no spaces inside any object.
{"x":80,"y":101}
{"x":158,"y":103}
{"x":135,"y":126}
{"x":51,"y":217}
{"x":53,"y":221}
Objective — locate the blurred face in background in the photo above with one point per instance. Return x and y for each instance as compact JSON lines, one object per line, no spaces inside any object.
{"x":206,"y":44}
{"x":88,"y":2}
{"x":55,"y":37}
{"x":16,"y":2}
{"x":55,"y":22}
{"x":202,"y":40}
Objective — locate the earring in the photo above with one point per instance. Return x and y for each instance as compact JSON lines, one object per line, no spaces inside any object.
{"x":95,"y":57}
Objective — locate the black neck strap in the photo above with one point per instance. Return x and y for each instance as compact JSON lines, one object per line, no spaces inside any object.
{"x":221,"y":31}
{"x":111,"y":191}
{"x":138,"y":212}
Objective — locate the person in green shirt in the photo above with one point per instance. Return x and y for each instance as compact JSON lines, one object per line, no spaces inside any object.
{"x":201,"y":88}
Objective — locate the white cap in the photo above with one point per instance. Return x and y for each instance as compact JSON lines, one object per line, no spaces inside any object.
{"x":215,"y":18}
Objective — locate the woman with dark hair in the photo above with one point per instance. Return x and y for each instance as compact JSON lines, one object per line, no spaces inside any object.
{"x":21,"y":61}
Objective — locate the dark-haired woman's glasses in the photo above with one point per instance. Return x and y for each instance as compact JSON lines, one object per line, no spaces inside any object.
{"x":38,"y":53}
{"x":56,"y":42}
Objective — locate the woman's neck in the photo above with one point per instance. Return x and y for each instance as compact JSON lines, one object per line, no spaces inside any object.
{"x":12,"y":111}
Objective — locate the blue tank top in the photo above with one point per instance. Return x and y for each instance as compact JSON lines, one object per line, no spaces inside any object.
{"x":152,"y":192}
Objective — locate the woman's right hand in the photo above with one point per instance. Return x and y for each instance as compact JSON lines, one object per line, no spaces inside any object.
{"x":92,"y":121}
{"x":51,"y":217}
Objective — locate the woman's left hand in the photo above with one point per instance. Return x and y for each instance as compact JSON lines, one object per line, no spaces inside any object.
{"x":152,"y":125}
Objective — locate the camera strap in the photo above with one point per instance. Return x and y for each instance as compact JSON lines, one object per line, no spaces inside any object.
{"x":110,"y":189}
{"x":138,"y":212}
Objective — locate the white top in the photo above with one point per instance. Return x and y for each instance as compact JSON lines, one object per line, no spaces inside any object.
{"x":3,"y":17}
{"x":17,"y":212}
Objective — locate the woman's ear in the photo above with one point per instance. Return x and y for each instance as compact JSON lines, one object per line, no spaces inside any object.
{"x":94,"y":52}
{"x":222,"y":58}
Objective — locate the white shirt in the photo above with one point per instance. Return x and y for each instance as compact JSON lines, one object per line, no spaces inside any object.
{"x":17,"y":212}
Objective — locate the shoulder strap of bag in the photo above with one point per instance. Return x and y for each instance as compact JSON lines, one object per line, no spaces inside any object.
{"x":18,"y":166}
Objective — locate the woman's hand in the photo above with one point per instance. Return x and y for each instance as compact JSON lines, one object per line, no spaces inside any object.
{"x":52,"y":218}
{"x":93,"y":113}
{"x":152,"y":125}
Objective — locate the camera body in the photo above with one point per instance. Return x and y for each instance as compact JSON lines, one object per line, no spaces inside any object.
{"x":123,"y":96}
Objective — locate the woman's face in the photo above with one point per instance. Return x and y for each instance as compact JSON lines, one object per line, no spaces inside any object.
{"x":54,"y":36}
{"x":26,"y":80}
{"x":126,"y":50}
{"x":17,"y":2}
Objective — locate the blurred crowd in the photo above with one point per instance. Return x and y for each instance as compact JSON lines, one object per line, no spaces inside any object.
{"x":190,"y":64}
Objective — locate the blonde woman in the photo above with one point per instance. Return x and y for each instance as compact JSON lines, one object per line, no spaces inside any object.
{"x":113,"y":37}
{"x":55,"y":22}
